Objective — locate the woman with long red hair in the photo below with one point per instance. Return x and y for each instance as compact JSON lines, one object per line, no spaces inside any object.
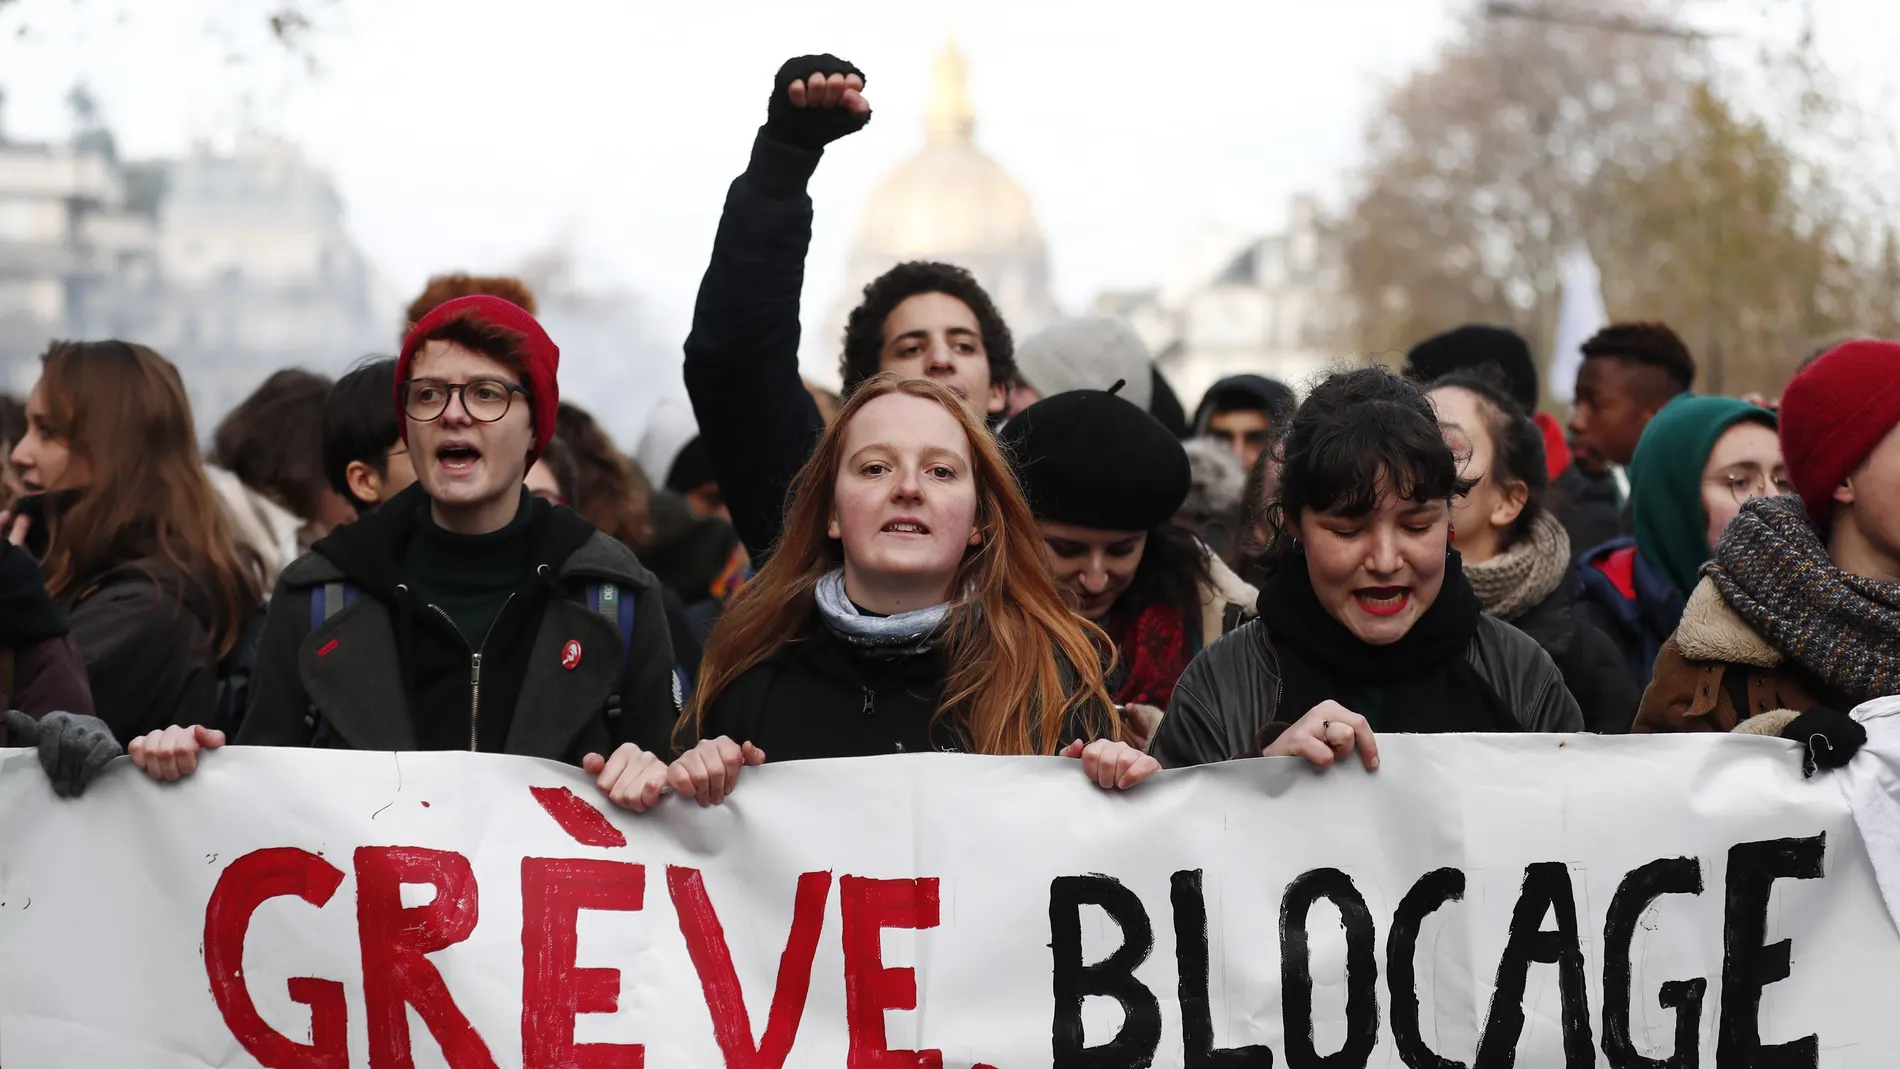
{"x":907,"y":608}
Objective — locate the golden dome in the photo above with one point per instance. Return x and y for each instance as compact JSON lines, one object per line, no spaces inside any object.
{"x":949,"y":199}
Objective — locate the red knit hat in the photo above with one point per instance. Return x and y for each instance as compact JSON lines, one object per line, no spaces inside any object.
{"x":540,"y":358}
{"x":1832,"y":416}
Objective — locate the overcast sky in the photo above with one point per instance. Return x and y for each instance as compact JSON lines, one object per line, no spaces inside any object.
{"x":469,"y":133}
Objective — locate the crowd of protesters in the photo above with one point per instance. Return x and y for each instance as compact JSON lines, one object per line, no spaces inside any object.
{"x":985,"y":544}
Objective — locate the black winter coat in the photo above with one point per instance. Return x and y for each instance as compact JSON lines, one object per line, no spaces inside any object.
{"x":384,"y":673}
{"x":1591,"y":661}
{"x":758,"y":423}
{"x":149,"y":655}
{"x":1231,"y":690}
{"x":822,"y":697}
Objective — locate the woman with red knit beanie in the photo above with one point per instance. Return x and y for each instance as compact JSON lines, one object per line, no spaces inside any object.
{"x":1799,"y":615}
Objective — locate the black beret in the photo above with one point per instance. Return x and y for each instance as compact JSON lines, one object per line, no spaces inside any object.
{"x":1089,"y":458}
{"x":1470,"y":348}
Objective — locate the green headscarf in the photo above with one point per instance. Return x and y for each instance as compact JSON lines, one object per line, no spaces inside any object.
{"x":1672,"y":533}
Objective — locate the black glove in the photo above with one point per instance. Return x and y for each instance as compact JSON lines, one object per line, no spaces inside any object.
{"x":74,"y":748}
{"x":1829,"y":738}
{"x":810,"y":128}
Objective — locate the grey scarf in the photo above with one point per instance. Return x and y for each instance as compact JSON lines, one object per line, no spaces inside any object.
{"x":1774,"y":572}
{"x":1518,"y":580}
{"x":917,"y":631}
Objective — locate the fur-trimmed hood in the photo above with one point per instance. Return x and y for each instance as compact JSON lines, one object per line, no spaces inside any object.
{"x":1712,"y":631}
{"x":1226,"y":600}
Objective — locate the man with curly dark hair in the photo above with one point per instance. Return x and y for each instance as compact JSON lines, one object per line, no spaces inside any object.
{"x":930,"y":320}
{"x":933,"y":321}
{"x":1630,"y":371}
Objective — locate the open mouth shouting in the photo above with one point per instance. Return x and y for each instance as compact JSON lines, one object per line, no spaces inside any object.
{"x":1383,"y":600}
{"x":457,"y":458}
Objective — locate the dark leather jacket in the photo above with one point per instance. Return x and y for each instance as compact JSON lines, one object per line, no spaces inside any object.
{"x":1232,"y":690}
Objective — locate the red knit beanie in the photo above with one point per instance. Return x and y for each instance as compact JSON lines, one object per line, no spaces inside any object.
{"x":541,"y":360}
{"x":1832,"y":416}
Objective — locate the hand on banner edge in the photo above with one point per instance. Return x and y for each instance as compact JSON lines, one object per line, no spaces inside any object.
{"x":632,"y":778}
{"x":710,"y":770}
{"x":74,"y":748}
{"x":1112,"y":764}
{"x":172,"y":753}
{"x":1328,"y":732}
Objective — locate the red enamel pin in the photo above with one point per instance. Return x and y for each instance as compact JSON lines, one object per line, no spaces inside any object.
{"x":571,"y":655}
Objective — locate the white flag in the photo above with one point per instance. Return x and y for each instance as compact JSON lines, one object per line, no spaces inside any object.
{"x":1579,"y":315}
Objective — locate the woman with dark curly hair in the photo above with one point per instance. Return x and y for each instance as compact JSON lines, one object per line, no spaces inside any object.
{"x":1367,"y":622}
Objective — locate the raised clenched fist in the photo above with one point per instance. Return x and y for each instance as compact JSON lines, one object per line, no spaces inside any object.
{"x":816,"y":100}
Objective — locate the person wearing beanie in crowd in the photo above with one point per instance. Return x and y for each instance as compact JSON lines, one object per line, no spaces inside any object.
{"x":1367,"y":623}
{"x":1699,"y":460}
{"x":364,"y":456}
{"x":928,"y":320}
{"x":137,"y":553}
{"x":907,"y":611}
{"x":1085,"y":353}
{"x":1798,"y":619}
{"x":608,"y":490}
{"x":1244,"y":413}
{"x":1105,"y":480}
{"x":466,"y":613}
{"x":1516,"y":554}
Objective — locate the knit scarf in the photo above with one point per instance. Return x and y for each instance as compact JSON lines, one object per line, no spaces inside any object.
{"x":1519,"y":579}
{"x":1421,"y":683}
{"x":1844,"y":629}
{"x":1153,"y":649}
{"x":917,"y":631}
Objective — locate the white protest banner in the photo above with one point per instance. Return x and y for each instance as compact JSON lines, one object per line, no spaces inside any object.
{"x":1479,"y":901}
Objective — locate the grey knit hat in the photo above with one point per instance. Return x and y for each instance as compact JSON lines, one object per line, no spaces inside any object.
{"x":1089,"y":353}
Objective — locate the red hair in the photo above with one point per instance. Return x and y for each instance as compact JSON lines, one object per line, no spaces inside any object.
{"x":1019,"y":659}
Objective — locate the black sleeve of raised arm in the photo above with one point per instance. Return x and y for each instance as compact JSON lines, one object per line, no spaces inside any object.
{"x":757,"y":421}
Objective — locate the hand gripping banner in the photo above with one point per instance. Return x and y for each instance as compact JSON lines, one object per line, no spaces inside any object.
{"x":1480,"y":901}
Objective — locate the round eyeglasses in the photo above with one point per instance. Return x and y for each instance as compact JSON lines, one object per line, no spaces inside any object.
{"x":1746,"y":486}
{"x":485,"y":400}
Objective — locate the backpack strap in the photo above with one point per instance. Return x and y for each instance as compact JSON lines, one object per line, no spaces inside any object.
{"x":325,"y":602}
{"x":606,"y":599}
{"x":329,"y":599}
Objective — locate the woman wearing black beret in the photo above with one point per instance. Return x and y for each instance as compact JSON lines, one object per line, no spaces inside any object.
{"x":1105,"y":479}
